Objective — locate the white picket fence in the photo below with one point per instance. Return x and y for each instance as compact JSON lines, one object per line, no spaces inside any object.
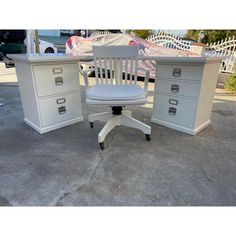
{"x":170,"y":41}
{"x":227,"y":49}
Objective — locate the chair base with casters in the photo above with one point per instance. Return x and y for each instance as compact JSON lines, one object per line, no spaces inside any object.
{"x":117,"y":118}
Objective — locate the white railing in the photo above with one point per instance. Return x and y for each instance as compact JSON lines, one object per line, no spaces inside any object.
{"x":227,"y":49}
{"x":170,"y":41}
{"x":96,"y":34}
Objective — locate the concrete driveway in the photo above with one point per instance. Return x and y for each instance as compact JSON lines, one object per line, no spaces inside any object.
{"x":67,"y":167}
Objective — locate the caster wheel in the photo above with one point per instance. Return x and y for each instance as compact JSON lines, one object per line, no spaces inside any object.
{"x":101,"y":145}
{"x":148,"y":137}
{"x":91,"y":124}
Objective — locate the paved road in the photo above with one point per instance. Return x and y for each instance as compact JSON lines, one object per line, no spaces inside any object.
{"x":66,"y":166}
{"x":7,"y":74}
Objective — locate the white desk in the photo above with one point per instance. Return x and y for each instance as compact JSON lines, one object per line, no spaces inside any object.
{"x":50,"y":90}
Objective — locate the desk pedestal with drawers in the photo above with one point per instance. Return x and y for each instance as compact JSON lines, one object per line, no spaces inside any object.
{"x":184,"y":92}
{"x":49,"y":89}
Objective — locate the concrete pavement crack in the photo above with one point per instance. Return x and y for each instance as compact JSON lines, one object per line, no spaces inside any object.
{"x":203,"y":171}
{"x":96,"y":167}
{"x":205,"y":175}
{"x":62,"y":198}
{"x":65,"y":195}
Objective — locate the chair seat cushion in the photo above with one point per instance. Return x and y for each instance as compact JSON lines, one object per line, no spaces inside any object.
{"x":108,"y":92}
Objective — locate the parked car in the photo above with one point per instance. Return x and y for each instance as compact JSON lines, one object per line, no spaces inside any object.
{"x":66,"y":32}
{"x":46,"y":47}
{"x":10,"y":48}
{"x":14,"y":42}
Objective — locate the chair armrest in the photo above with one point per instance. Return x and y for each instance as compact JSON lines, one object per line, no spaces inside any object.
{"x":85,"y":75}
{"x":146,"y":79}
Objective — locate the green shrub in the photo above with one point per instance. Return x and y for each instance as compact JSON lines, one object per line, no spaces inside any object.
{"x":141,"y":33}
{"x":230,"y":83}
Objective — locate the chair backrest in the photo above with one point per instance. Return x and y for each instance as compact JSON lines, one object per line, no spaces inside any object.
{"x":116,"y":64}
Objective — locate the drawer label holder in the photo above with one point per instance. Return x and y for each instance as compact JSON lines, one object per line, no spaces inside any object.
{"x":57,"y":70}
{"x":61,"y":100}
{"x":173,"y":102}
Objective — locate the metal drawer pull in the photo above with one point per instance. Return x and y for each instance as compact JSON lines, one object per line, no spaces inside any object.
{"x":173,"y":102}
{"x":61,"y":100}
{"x":61,"y":110}
{"x":58,"y":80}
{"x":176,"y":72}
{"x":57,"y":70}
{"x":172,"y":111}
{"x":174,"y":88}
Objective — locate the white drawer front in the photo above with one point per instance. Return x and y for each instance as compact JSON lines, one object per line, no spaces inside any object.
{"x":60,"y":108}
{"x":180,"y":111}
{"x":55,"y":79}
{"x":180,"y":72}
{"x":178,"y":87}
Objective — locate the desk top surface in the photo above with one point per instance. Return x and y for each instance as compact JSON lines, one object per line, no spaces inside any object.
{"x":56,"y":57}
{"x":48,"y":57}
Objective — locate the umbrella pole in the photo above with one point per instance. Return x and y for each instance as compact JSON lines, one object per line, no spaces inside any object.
{"x":36,"y":41}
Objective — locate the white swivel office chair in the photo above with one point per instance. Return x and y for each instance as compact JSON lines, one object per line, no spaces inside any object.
{"x":116,"y":86}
